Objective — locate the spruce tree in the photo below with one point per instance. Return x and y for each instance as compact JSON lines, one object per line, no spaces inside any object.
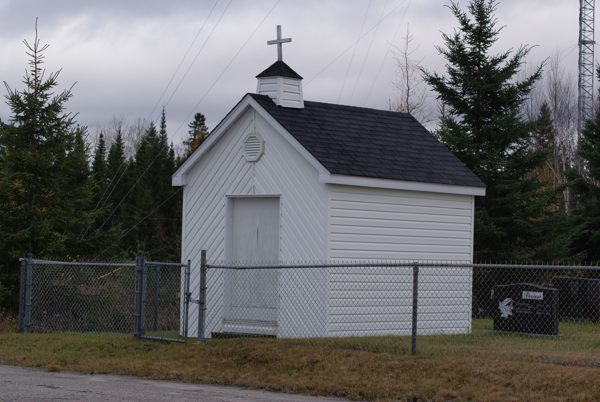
{"x":586,"y":189}
{"x":198,"y":133}
{"x":482,"y":125}
{"x":99,"y":163}
{"x":99,"y":169}
{"x":47,"y":194}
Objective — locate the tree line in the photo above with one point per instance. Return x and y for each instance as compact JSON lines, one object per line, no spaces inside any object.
{"x":516,"y":127}
{"x":62,"y":197}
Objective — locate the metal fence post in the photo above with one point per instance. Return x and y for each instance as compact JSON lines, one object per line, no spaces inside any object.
{"x":28,"y":291}
{"x":414,"y":307}
{"x":22,"y":290}
{"x":156,"y":298}
{"x":144,"y":294}
{"x":139,"y":279}
{"x":202,"y":298}
{"x":187,"y":295}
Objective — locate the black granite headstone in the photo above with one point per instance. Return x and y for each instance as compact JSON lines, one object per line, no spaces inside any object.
{"x":579,"y":298}
{"x":525,"y":308}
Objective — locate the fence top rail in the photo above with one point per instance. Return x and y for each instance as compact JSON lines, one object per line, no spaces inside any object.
{"x":165,"y":264}
{"x":242,"y":266}
{"x":398,"y":264}
{"x":87,"y":264}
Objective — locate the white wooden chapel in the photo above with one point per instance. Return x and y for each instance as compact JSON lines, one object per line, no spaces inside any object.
{"x":284,"y":179}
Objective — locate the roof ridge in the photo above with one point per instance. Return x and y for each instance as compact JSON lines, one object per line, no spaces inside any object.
{"x":337,"y":106}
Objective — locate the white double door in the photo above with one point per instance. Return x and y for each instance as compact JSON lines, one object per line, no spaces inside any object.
{"x":252,"y":296}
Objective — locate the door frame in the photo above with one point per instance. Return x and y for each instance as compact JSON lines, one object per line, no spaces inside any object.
{"x":229,"y":221}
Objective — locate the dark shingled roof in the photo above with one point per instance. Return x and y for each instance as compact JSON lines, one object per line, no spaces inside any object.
{"x":357,"y":141}
{"x":279,"y":69}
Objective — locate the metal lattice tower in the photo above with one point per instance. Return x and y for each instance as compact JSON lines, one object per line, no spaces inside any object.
{"x":586,"y":61}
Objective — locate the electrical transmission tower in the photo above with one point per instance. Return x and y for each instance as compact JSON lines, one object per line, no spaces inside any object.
{"x":586,"y":62}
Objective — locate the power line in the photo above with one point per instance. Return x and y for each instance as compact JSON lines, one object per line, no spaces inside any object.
{"x":350,"y":47}
{"x":184,"y":57}
{"x":367,"y":54}
{"x":354,"y":51}
{"x":198,"y":54}
{"x":157,"y":103}
{"x":158,"y":154}
{"x":141,"y":220}
{"x":226,"y":67}
{"x":386,"y":53}
{"x":206,"y":93}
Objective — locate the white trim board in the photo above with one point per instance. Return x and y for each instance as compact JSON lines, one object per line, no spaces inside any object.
{"x":400,"y":184}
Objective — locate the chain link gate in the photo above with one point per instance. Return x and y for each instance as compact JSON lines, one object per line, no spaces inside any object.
{"x":162,"y":297}
{"x":105,"y":297}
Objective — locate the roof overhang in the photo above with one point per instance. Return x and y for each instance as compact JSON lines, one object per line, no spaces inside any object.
{"x":361,"y":181}
{"x":179,"y":178}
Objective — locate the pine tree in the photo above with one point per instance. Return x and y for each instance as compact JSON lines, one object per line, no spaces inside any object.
{"x":198,"y":133}
{"x":47,"y":194}
{"x":483,"y":127}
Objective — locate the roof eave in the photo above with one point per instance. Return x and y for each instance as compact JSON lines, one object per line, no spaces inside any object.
{"x":179,"y":178}
{"x":361,"y":181}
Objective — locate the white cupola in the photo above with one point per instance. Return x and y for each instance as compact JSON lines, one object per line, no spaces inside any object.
{"x":279,"y":81}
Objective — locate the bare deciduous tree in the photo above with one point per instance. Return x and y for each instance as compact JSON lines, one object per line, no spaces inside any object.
{"x":555,"y":100}
{"x":412,"y":93}
{"x":131,"y":133}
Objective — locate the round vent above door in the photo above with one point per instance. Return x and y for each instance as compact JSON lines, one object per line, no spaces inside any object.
{"x":254,"y":147}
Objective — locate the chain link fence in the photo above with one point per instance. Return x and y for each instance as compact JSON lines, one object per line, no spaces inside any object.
{"x":492,"y":311}
{"x":147,"y":299}
{"x":515,"y":312}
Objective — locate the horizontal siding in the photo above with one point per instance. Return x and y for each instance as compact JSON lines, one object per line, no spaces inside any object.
{"x":380,"y":224}
{"x":376,"y":224}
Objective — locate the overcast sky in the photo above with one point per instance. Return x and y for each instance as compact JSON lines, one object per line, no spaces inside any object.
{"x":123,"y":54}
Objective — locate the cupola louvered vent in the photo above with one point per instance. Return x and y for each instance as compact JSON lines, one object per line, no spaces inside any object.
{"x":254,"y":146}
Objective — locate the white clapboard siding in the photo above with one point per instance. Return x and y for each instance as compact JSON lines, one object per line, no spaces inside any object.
{"x":376,"y":224}
{"x":224,"y":171}
{"x":381,"y":224}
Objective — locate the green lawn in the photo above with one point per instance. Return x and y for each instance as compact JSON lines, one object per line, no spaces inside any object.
{"x":481,"y":366}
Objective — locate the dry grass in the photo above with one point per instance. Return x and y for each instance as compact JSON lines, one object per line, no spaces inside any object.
{"x":8,"y":322}
{"x":374,"y":369}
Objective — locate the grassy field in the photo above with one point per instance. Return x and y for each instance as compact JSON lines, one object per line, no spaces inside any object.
{"x":476,"y":367}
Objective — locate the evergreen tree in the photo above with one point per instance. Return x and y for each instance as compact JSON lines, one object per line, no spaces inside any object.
{"x":483,"y":127}
{"x":552,"y":172}
{"x":99,"y":163}
{"x":544,"y":134}
{"x":99,"y":169}
{"x":47,"y":197}
{"x":116,"y":174}
{"x":116,"y":165}
{"x":198,"y":133}
{"x":586,"y":186}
